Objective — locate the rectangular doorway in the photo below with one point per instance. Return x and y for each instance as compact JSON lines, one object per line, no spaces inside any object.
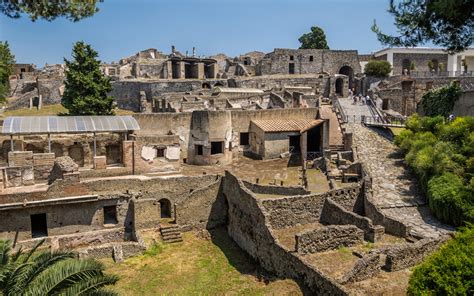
{"x":39,"y":226}
{"x":291,"y":69}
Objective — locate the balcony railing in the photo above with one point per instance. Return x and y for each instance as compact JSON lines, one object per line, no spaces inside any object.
{"x":428,"y":74}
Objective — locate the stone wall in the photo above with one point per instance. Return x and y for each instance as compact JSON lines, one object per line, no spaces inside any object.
{"x":419,"y":59}
{"x":276,"y":190}
{"x":407,"y":255}
{"x":248,"y":226}
{"x":328,"y":238}
{"x":333,"y":213}
{"x":205,"y":208}
{"x":365,"y":268}
{"x":464,"y":106}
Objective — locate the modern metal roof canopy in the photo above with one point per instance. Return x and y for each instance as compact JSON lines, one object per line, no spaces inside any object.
{"x":27,"y":125}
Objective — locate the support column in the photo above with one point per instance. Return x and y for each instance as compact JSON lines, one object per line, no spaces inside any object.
{"x":11,"y":144}
{"x":200,"y":72}
{"x":95,"y":146}
{"x":49,"y":143}
{"x":182,"y":70}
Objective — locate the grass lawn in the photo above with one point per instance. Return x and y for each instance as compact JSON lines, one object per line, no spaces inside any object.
{"x":196,"y":267}
{"x":50,"y":110}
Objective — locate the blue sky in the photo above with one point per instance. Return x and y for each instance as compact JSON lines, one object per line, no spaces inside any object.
{"x":123,"y":27}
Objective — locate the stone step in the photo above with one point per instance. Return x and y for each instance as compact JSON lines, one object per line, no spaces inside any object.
{"x":176,"y":240}
{"x":169,"y":228}
{"x":170,"y":235}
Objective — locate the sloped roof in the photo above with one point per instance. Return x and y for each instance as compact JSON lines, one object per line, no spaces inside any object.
{"x":282,"y":125}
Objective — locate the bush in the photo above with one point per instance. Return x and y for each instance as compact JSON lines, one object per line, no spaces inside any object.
{"x":378,"y":68}
{"x":450,"y":271}
{"x":440,"y":101}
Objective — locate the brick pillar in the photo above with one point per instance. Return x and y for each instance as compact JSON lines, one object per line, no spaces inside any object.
{"x":215,"y":70}
{"x":169,"y":70}
{"x":127,"y":156}
{"x":182,"y":70}
{"x":200,"y":70}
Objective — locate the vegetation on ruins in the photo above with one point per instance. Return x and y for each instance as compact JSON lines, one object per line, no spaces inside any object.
{"x":7,"y":61}
{"x":449,"y":271}
{"x":446,"y":23}
{"x":50,"y":273}
{"x":73,"y":10}
{"x":86,"y":87}
{"x":316,"y":39}
{"x":440,"y":101}
{"x":442,"y":155}
{"x":378,"y":68}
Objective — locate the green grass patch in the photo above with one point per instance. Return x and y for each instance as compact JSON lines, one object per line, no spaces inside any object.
{"x":196,"y":267}
{"x":51,"y":110}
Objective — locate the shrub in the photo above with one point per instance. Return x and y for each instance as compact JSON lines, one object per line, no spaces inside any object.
{"x":440,"y":101}
{"x":444,"y":196}
{"x":450,"y":271}
{"x":378,"y":68}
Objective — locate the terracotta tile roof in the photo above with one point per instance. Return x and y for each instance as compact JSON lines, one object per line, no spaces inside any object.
{"x":282,"y":125}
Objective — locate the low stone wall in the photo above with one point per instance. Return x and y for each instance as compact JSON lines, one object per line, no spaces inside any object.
{"x":276,"y":190}
{"x":391,"y":225}
{"x":205,"y":208}
{"x":90,"y":238}
{"x":117,"y":251}
{"x":289,"y":211}
{"x":249,"y":227}
{"x":328,"y":238}
{"x":333,"y":213}
{"x":407,"y":255}
{"x":348,"y":197}
{"x":365,"y":268}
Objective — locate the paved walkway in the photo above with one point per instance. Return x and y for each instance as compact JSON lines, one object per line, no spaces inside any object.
{"x":395,"y":188}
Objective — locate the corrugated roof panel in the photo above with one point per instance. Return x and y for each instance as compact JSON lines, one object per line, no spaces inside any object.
{"x":18,"y":125}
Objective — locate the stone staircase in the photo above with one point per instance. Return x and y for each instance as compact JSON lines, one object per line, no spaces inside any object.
{"x":171,"y":234}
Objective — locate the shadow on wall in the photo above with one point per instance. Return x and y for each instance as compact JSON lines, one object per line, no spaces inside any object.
{"x":243,"y":262}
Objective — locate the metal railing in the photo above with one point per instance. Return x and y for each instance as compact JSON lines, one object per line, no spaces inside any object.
{"x":336,"y":106}
{"x":427,"y":74}
{"x":387,"y":121}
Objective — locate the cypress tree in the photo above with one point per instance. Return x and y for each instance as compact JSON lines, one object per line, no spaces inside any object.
{"x":86,"y":86}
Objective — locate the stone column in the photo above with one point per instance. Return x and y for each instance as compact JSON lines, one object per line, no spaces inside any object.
{"x":200,"y":70}
{"x":325,"y":142}
{"x":182,"y":70}
{"x":169,"y":70}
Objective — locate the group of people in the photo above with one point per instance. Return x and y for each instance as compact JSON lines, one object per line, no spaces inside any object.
{"x":358,"y":98}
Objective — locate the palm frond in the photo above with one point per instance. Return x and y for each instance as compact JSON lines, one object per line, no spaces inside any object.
{"x":5,"y":249}
{"x":102,"y":292}
{"x":63,"y":275}
{"x":90,"y":285}
{"x":32,"y":251}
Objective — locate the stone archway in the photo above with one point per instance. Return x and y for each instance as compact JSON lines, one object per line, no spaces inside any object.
{"x":340,"y":87}
{"x":349,"y":72}
{"x":165,"y":208}
{"x":206,"y":85}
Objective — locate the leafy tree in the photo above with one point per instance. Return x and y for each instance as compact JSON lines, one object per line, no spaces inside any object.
{"x":73,"y":10}
{"x":50,"y":273}
{"x":449,"y":271}
{"x":378,"y":68}
{"x":86,"y":86}
{"x":440,"y":101}
{"x":316,"y":39}
{"x":7,"y":61}
{"x":446,"y":23}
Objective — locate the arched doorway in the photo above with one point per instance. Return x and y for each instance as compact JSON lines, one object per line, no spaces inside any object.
{"x":77,"y":154}
{"x":218,"y":84}
{"x":349,"y":72}
{"x":406,"y":65}
{"x":165,"y":208}
{"x":206,"y":85}
{"x":339,"y":86}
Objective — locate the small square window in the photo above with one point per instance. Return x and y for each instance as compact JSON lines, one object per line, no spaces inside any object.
{"x":311,"y":58}
{"x":110,"y":215}
{"x":292,"y":58}
{"x":198,"y":149}
{"x":160,"y":152}
{"x":217,"y":147}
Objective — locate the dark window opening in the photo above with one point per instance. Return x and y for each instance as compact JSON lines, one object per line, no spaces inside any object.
{"x":160,"y":152}
{"x":110,"y":215}
{"x":291,"y":69}
{"x":292,"y":58}
{"x":22,"y":70}
{"x":294,"y":144}
{"x":217,"y":147}
{"x":39,"y":226}
{"x":244,"y":139}
{"x":311,"y":58}
{"x":198,"y":149}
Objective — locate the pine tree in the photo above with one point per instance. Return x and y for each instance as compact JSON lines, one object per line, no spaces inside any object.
{"x":316,"y":39}
{"x":7,"y":61}
{"x":86,"y":86}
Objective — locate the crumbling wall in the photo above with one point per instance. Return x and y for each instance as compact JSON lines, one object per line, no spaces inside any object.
{"x":249,"y":228}
{"x":328,"y":238}
{"x":205,"y":208}
{"x":276,"y":190}
{"x":407,"y":255}
{"x":333,"y":213}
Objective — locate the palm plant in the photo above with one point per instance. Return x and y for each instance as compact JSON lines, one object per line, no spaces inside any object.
{"x":35,"y":273}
